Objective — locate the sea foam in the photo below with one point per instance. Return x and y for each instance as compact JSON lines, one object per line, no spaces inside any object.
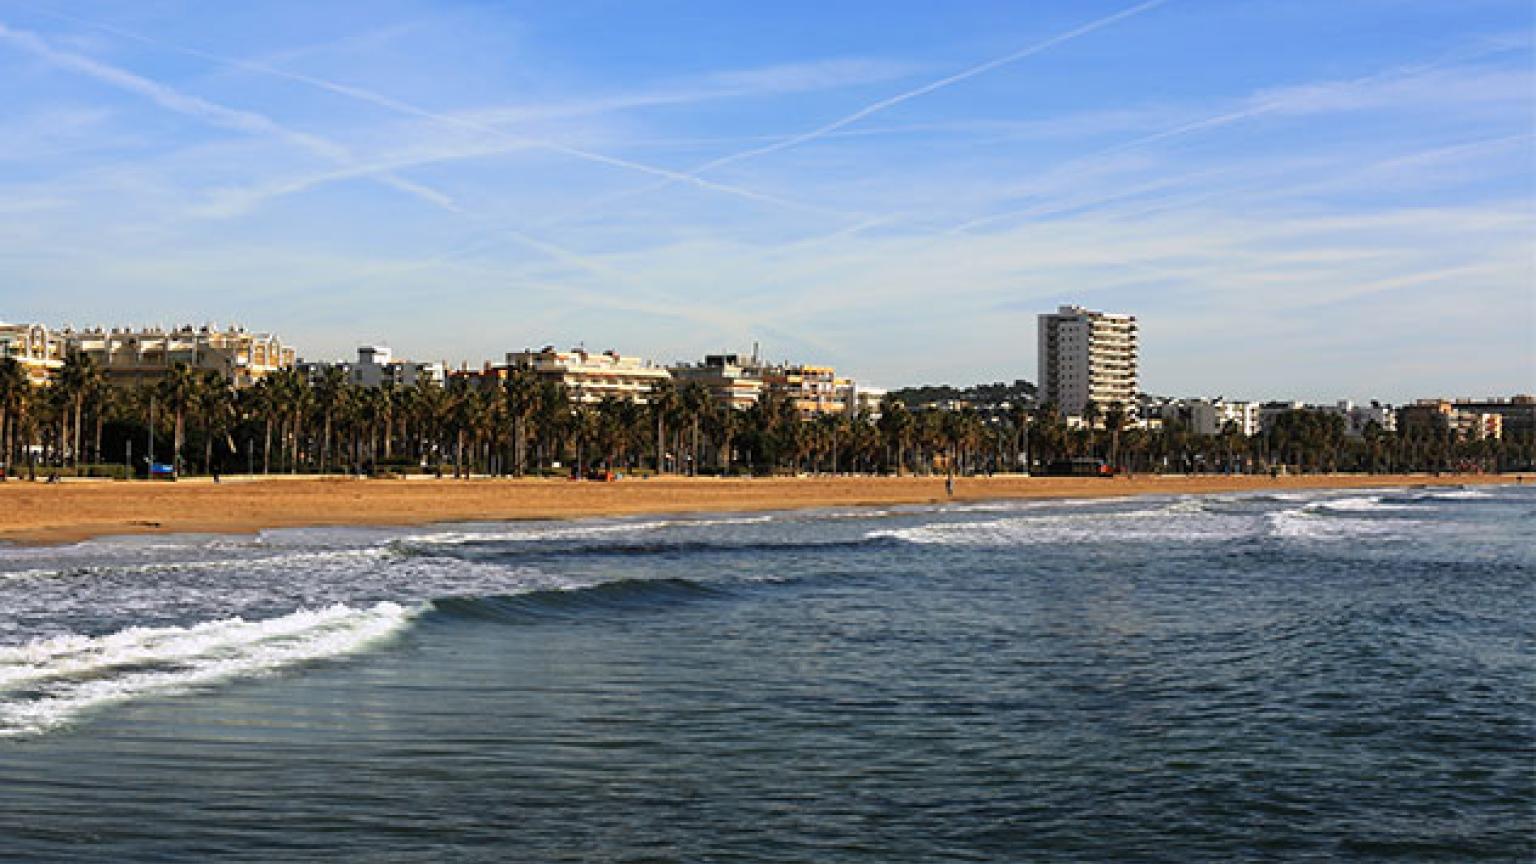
{"x":49,"y":682}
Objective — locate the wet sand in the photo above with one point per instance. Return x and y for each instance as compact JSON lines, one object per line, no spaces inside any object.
{"x":43,"y":513}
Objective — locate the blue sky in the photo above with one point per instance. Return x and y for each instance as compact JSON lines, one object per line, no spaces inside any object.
{"x":1299,"y":198}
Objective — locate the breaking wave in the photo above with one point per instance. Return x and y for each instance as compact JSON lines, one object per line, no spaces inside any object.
{"x":1183,"y":520}
{"x":46,"y":683}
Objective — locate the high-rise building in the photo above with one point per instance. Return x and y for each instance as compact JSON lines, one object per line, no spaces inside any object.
{"x":1087,"y":356}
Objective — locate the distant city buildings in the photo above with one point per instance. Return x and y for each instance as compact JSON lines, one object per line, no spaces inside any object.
{"x":376,"y":366}
{"x":1087,"y":356}
{"x":130,"y":357}
{"x":590,"y":378}
{"x":1471,"y":419}
{"x":814,"y":391}
{"x":1202,"y":416}
{"x":730,"y":380}
{"x":39,"y":351}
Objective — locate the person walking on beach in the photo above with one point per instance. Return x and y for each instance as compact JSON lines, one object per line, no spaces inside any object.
{"x":949,"y":485}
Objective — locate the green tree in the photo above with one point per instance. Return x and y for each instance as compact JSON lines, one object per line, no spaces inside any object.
{"x":178,"y":391}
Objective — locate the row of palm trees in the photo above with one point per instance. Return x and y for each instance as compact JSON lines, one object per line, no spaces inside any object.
{"x":525,"y":424}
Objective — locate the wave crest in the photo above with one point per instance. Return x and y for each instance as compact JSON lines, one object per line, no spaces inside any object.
{"x":46,"y":683}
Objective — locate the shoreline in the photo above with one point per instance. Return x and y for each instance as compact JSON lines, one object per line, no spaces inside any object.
{"x":40,"y":514}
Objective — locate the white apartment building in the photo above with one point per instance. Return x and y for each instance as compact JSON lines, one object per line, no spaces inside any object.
{"x":1358,"y":417}
{"x":864,"y":398}
{"x":589,"y":378}
{"x":1205,"y":416}
{"x":130,"y":357}
{"x":39,"y":350}
{"x":1087,"y":356}
{"x":730,"y":381}
{"x":376,"y":365}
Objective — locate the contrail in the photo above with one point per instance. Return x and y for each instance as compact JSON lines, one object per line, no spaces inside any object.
{"x":253,"y":123}
{"x":1277,"y":101}
{"x":890,"y":102}
{"x":408,"y":109}
{"x":248,"y":122}
{"x":877,"y":107}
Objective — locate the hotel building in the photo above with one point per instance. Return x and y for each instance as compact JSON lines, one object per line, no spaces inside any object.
{"x":39,"y":351}
{"x":376,"y":365}
{"x":730,"y":382}
{"x":1087,"y":356}
{"x":815,"y":391}
{"x":131,"y":358}
{"x":590,"y":378}
{"x":1438,"y":416}
{"x":1202,"y":416}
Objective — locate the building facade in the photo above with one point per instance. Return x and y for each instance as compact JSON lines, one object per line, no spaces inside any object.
{"x":131,"y":358}
{"x":375,"y":366}
{"x":590,"y":378}
{"x":39,"y":350}
{"x":1202,"y":416}
{"x":1467,"y":419}
{"x":815,"y":391}
{"x":731,"y":382}
{"x":1087,"y":356}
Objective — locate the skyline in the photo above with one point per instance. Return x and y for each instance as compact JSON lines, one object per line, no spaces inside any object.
{"x":1349,"y":216}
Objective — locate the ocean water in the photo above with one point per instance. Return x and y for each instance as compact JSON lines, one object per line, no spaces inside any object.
{"x":1309,"y":677}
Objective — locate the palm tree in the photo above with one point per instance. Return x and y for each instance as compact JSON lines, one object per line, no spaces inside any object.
{"x":695,"y":400}
{"x":1114,"y":421}
{"x":896,"y":424}
{"x":1018,"y":421}
{"x":721,"y":425}
{"x":664,"y":402}
{"x":262,"y":400}
{"x":522,"y":392}
{"x":586,"y":426}
{"x":430,"y":405}
{"x":330,"y":391}
{"x":13,"y":393}
{"x":179,"y":391}
{"x":216,"y":404}
{"x":293,"y":400}
{"x":78,"y":380}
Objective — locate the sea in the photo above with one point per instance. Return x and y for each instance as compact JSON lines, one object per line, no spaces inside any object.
{"x":1315,"y":676}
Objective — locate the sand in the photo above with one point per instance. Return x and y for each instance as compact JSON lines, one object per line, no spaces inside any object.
{"x":40,"y":513}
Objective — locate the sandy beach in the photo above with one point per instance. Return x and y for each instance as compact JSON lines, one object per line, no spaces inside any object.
{"x":40,"y":513}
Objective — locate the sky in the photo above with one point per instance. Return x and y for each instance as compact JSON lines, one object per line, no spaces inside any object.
{"x":1305,"y":199}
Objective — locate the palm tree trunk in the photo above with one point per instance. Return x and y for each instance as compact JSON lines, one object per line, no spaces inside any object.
{"x":266,"y":447}
{"x":79,"y":399}
{"x":661,"y":445}
{"x":180,"y":429}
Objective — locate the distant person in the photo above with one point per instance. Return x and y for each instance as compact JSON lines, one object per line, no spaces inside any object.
{"x":215,"y":473}
{"x":949,"y":485}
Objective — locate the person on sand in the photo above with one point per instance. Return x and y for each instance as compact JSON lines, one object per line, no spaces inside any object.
{"x":949,"y":485}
